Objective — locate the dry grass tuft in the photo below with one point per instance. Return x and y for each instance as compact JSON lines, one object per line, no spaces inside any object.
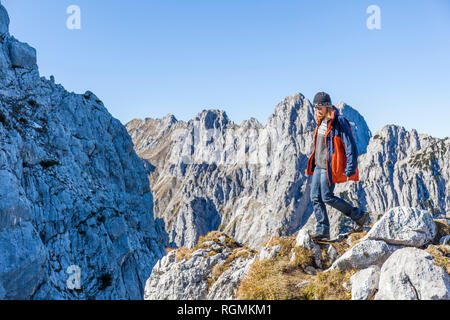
{"x":279,"y":278}
{"x":328,"y":286}
{"x":443,"y":229}
{"x":356,"y":237}
{"x":185,"y":253}
{"x":441,"y":255}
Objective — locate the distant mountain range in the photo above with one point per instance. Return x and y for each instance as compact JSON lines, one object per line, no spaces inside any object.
{"x":249,"y":180}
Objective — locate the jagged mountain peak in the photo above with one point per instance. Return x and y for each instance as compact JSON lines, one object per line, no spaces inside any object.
{"x":170,"y":118}
{"x":395,"y":136}
{"x":212,"y":119}
{"x":251,"y":123}
{"x":289,"y":107}
{"x":256,"y":174}
{"x":293,"y":116}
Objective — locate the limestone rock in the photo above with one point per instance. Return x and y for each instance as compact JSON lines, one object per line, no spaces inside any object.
{"x":364,"y":283}
{"x":332,"y":254}
{"x":365,"y":254}
{"x":4,"y":21}
{"x":226,"y":285}
{"x":269,"y":252}
{"x":404,"y":226}
{"x":22,"y":55}
{"x":189,"y":277}
{"x":23,"y":262}
{"x":171,"y":280}
{"x":411,"y":274}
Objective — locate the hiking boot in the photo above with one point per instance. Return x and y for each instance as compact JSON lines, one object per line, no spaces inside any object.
{"x":361,"y":221}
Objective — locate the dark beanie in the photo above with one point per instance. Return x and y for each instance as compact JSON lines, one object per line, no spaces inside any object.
{"x":322,"y":99}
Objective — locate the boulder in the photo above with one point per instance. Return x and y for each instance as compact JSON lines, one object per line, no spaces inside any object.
{"x":404,"y":226}
{"x":365,"y":254}
{"x":411,"y":274}
{"x":186,"y":279}
{"x":22,"y":55}
{"x":365,"y":283}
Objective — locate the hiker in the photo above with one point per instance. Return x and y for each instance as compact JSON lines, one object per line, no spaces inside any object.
{"x":333,"y":160}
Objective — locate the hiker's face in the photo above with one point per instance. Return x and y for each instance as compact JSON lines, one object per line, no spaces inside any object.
{"x":321,"y":111}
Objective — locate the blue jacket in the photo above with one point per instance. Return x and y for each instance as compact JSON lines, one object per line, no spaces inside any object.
{"x":342,"y":153}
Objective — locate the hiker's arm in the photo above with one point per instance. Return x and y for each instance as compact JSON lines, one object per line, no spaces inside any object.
{"x":351,"y":151}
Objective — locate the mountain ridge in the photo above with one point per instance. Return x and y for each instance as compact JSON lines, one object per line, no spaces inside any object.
{"x":76,"y":217}
{"x":196,"y":149}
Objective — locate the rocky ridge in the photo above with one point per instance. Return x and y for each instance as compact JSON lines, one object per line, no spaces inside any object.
{"x":76,"y":219}
{"x":249,"y":180}
{"x":379,"y":264}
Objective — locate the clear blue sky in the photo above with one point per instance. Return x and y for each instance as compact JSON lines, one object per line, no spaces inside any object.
{"x":147,"y":58}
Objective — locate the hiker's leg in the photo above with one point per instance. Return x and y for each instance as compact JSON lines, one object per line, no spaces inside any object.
{"x":323,"y":225}
{"x":329,"y":198}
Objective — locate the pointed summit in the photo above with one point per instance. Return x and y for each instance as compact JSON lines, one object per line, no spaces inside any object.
{"x":213,"y":118}
{"x":294,"y":115}
{"x":289,"y":104}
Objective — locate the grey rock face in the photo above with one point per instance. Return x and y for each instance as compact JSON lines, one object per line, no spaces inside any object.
{"x":365,"y":254}
{"x":269,"y":252}
{"x":332,"y":254}
{"x":22,"y":55}
{"x":72,"y":191}
{"x":226,"y":285}
{"x":404,"y":226}
{"x":411,"y":274}
{"x":4,"y":20}
{"x":250,"y":178}
{"x":188,"y":278}
{"x":23,"y":261}
{"x":364,"y":283}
